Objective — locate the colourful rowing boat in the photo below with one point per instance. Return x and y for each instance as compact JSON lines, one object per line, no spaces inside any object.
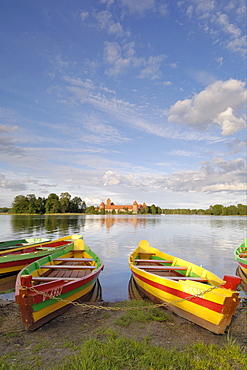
{"x":67,"y":276}
{"x":9,"y":244}
{"x":240,"y":255}
{"x":15,"y":259}
{"x":190,"y":291}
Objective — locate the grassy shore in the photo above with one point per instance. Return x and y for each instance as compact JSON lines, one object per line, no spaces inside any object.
{"x":140,"y":338}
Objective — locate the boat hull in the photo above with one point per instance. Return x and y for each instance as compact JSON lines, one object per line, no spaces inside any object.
{"x":15,"y":259}
{"x":240,"y":255}
{"x":9,"y":244}
{"x":209,"y":305}
{"x":36,"y":305}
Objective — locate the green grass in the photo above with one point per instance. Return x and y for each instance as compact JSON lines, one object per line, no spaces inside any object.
{"x":122,"y":353}
{"x":140,"y":311}
{"x":115,"y":352}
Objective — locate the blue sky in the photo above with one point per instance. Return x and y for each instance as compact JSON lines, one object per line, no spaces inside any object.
{"x":134,"y":100}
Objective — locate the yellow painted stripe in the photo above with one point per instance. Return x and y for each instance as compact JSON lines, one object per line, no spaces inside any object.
{"x":187,"y":306}
{"x":11,"y":269}
{"x":57,"y":305}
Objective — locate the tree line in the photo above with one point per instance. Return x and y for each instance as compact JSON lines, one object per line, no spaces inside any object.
{"x":52,"y":204}
{"x":215,"y":210}
{"x":30,"y":204}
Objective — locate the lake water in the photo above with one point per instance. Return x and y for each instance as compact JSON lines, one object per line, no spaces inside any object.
{"x":205,"y":240}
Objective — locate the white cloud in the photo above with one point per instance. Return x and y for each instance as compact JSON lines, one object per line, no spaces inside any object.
{"x":227,"y":27}
{"x":152,"y":69}
{"x":238,"y":45}
{"x":216,"y":176}
{"x":122,"y":59}
{"x":92,"y":201}
{"x":143,"y":7}
{"x":106,"y":22}
{"x":212,"y":17}
{"x":107,"y":2}
{"x":13,"y":185}
{"x":215,"y":104}
{"x":138,"y":6}
{"x":6,"y":129}
{"x":84,"y":15}
{"x":229,"y":122}
{"x":8,"y":141}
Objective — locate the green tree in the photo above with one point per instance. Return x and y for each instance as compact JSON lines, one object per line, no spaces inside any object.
{"x":31,"y":203}
{"x":4,"y":209}
{"x":75,"y":205}
{"x":83,"y":207}
{"x":153,"y":209}
{"x":65,"y":202}
{"x":216,"y":210}
{"x":242,"y":209}
{"x":52,"y":204}
{"x":40,"y":205}
{"x":20,"y":204}
{"x":91,"y":209}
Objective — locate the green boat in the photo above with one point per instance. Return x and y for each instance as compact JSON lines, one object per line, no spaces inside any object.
{"x":9,"y":244}
{"x":46,"y":288}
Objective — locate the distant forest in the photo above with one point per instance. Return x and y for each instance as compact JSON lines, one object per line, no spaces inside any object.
{"x":29,"y":204}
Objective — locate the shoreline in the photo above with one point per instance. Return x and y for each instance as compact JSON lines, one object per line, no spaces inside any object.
{"x":63,"y":336}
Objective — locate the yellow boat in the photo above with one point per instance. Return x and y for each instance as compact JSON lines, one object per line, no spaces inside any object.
{"x":190,"y":291}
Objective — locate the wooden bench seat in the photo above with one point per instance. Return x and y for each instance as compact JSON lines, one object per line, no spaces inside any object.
{"x":155,"y":261}
{"x":243,"y":255}
{"x":202,"y":280}
{"x":147,"y":254}
{"x":69,"y":267}
{"x":183,"y":268}
{"x":74,"y":259}
{"x":50,"y":278}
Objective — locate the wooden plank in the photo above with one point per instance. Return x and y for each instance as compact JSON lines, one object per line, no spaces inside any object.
{"x":48,"y":278}
{"x":147,"y":254}
{"x":69,"y":267}
{"x":155,"y":261}
{"x":62,"y":273}
{"x":184,"y":268}
{"x":74,"y":259}
{"x":73,"y":273}
{"x":243,"y":255}
{"x":187,"y":278}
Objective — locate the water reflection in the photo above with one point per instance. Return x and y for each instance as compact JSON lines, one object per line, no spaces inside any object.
{"x":228,"y":222}
{"x":138,"y":221}
{"x":134,"y":292}
{"x":203,"y":240}
{"x":65,"y":224}
{"x":7,"y":282}
{"x":48,"y":223}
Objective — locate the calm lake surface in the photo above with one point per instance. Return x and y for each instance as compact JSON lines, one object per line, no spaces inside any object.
{"x":205,"y":240}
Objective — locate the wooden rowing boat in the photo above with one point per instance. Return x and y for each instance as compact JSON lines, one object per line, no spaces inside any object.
{"x":190,"y":291}
{"x":240,"y":255}
{"x":9,"y":244}
{"x":15,"y":259}
{"x":67,"y":275}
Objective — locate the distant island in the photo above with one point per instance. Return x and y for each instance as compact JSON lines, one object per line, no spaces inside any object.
{"x":30,"y":204}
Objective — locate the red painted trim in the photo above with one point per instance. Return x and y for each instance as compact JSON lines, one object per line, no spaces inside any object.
{"x":197,"y":300}
{"x":18,"y":263}
{"x":243,"y":264}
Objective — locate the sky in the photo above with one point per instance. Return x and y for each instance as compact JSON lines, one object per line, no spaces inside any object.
{"x":140,"y":100}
